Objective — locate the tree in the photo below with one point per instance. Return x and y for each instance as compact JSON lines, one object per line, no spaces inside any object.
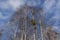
{"x":27,"y":26}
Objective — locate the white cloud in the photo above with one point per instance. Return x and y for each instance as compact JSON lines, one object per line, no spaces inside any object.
{"x":3,"y":17}
{"x":48,"y":5}
{"x":58,"y":5}
{"x":11,"y":3}
{"x":56,"y":28}
{"x":4,"y":5}
{"x":16,"y":3}
{"x":33,"y":2}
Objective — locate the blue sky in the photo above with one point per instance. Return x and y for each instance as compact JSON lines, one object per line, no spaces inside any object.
{"x":51,"y":10}
{"x":7,"y":7}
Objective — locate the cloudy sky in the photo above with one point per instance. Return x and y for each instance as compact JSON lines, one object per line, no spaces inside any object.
{"x":51,"y":10}
{"x":7,"y":7}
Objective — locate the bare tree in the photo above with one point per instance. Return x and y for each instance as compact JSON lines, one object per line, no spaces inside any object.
{"x":27,"y":26}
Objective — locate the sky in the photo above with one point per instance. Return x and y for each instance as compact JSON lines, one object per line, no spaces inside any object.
{"x":51,"y":10}
{"x":7,"y":8}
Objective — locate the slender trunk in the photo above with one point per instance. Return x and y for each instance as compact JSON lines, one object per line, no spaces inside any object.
{"x":22,"y":36}
{"x":34,"y":36}
{"x":41,"y":26}
{"x":25,"y":36}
